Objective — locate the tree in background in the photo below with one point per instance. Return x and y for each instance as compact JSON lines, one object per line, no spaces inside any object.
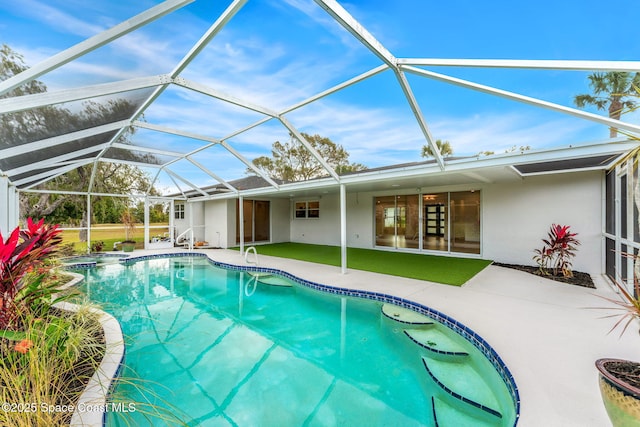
{"x":291,"y":161}
{"x":32,"y":125}
{"x":443,"y":146}
{"x":611,"y":91}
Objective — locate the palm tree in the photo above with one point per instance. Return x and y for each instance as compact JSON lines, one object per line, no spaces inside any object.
{"x":611,"y":90}
{"x":443,"y":146}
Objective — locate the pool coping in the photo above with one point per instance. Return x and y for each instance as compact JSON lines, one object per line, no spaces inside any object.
{"x":91,"y":407}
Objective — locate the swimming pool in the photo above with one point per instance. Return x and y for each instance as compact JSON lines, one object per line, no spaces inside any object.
{"x":216,"y":345}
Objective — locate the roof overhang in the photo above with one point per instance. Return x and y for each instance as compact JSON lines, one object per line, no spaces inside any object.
{"x":472,"y":172}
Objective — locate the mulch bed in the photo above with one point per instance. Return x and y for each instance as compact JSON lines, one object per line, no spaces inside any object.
{"x":579,"y":278}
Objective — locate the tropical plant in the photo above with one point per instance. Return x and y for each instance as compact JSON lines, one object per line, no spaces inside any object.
{"x":611,"y":91}
{"x":444,"y":147}
{"x":22,"y":253}
{"x":629,"y":304}
{"x":557,"y":252}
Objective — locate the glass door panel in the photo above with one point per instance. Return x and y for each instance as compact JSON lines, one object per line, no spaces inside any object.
{"x":385,"y":221}
{"x":435,"y":222}
{"x":465,"y":222}
{"x":408,"y":230}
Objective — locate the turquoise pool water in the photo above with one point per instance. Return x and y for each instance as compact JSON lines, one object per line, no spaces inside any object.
{"x":211,"y":346}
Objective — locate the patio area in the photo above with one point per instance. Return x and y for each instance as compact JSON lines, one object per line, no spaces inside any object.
{"x":544,"y":331}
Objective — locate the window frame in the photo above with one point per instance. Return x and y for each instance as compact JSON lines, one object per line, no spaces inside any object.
{"x":306,"y":209}
{"x":179,"y":210}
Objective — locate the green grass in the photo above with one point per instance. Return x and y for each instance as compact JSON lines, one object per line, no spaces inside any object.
{"x":440,"y":269}
{"x":109,"y":234}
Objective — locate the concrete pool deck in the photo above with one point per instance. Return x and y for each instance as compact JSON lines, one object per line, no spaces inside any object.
{"x":543,"y":330}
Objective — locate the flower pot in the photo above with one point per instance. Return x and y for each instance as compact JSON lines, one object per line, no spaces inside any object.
{"x":128,"y":246}
{"x":621,"y":399}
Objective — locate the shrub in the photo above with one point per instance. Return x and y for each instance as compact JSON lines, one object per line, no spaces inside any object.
{"x":97,"y":246}
{"x":557,"y":252}
{"x":21,"y":253}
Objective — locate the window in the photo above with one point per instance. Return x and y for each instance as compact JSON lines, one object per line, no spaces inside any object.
{"x":310,"y":209}
{"x":178,"y":210}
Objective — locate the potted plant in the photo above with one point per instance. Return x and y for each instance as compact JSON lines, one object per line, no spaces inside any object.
{"x":97,"y":246}
{"x":619,"y":379}
{"x":129,"y":223}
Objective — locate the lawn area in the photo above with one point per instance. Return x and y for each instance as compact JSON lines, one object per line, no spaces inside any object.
{"x":440,"y":269}
{"x":109,"y":234}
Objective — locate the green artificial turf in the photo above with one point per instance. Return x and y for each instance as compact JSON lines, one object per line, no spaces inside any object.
{"x":440,"y":269}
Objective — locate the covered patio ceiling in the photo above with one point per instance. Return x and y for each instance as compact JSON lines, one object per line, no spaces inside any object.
{"x":198,"y":156}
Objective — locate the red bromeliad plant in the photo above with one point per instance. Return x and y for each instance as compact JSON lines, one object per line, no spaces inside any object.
{"x":558,"y":251}
{"x":22,"y":252}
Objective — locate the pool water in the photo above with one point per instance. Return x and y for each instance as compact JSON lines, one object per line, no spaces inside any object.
{"x":209,"y":346}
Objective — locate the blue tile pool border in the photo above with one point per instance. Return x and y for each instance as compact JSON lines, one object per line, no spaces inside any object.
{"x":467,"y":333}
{"x":70,"y":265}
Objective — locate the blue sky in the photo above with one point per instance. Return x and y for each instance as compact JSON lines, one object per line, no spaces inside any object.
{"x":276,"y":53}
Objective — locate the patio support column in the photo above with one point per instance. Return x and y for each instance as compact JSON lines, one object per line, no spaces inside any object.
{"x":4,"y":205}
{"x":146,"y":223}
{"x":343,"y":228}
{"x":88,"y":222}
{"x":241,"y":223}
{"x":13,"y":207}
{"x":191,"y":240}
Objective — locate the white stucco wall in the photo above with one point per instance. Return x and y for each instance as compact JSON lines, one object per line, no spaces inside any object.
{"x":360,"y":218}
{"x":517,"y":216}
{"x":324,"y":230}
{"x":280,"y":220}
{"x":216,"y":219}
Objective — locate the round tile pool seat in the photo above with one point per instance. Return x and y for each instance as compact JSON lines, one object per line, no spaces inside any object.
{"x":460,"y":383}
{"x":404,"y":315}
{"x":435,"y":341}
{"x":271,"y":279}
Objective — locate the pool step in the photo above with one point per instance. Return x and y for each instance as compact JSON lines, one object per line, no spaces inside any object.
{"x":445,"y":415}
{"x":404,"y":315}
{"x":461,"y":383}
{"x":436,"y":342}
{"x":270,"y":279}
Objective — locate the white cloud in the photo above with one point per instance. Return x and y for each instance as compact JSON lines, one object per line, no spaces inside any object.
{"x":55,"y":18}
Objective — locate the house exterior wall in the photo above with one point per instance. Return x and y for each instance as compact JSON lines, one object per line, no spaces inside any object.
{"x":517,"y":216}
{"x":182,"y":224}
{"x":324,"y":230}
{"x":217,"y":222}
{"x":280,"y":220}
{"x":220,"y":221}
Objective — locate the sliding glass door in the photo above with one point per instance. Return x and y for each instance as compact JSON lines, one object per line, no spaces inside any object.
{"x":255,"y":221}
{"x":448,"y":222}
{"x":397,"y":221}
